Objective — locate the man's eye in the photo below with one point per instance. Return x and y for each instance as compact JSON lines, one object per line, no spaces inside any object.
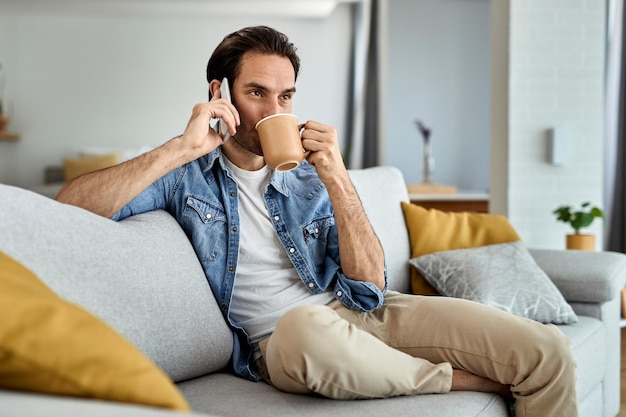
{"x":256,"y":93}
{"x":287,"y":97}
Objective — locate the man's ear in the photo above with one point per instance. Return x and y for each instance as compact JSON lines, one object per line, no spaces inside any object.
{"x":214,"y":86}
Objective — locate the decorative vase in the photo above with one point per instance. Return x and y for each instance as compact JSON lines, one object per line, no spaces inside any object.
{"x":428,"y":175}
{"x":579,"y":241}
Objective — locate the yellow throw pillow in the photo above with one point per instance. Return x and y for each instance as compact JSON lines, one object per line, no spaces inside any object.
{"x":434,"y":231}
{"x":75,"y":167}
{"x":50,"y":346}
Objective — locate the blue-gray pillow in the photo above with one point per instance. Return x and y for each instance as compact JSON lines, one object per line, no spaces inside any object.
{"x":504,"y":276}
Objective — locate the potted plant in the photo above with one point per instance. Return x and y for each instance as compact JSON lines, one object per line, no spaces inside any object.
{"x":579,"y":219}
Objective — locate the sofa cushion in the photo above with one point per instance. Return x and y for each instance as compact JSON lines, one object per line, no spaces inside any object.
{"x":124,"y":274}
{"x":588,"y":340}
{"x":385,"y":215}
{"x":221,"y":394}
{"x":22,"y":404}
{"x":504,"y":276}
{"x":51,"y":346}
{"x":434,"y":230}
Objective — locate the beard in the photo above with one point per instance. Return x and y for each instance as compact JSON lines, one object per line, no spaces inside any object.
{"x":247,"y":138}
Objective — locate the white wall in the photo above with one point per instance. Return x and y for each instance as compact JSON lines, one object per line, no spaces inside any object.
{"x":555,"y":76}
{"x":491,"y":77}
{"x":127,"y":80}
{"x":438,"y":71}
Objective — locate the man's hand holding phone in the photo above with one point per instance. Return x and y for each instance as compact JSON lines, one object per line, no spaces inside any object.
{"x":208,"y":126}
{"x":218,"y":124}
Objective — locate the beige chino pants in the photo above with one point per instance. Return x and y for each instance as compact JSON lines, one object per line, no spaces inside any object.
{"x":410,"y":345}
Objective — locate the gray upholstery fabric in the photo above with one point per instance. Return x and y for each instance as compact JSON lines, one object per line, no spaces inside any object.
{"x":221,"y":393}
{"x":503,"y":276}
{"x":610,"y":313}
{"x":592,"y":405}
{"x":589,"y":348}
{"x":588,"y":277}
{"x":141,"y":276}
{"x":591,"y":282}
{"x":17,"y":404}
{"x":385,"y":214}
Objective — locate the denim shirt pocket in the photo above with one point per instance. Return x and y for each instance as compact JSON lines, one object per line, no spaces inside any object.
{"x":316,"y":235}
{"x":206,"y":224}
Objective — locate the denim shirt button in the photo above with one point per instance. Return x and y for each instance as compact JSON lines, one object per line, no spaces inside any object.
{"x":232,"y":194}
{"x":311,"y":285}
{"x":277,"y":218}
{"x":208,"y":216}
{"x":292,"y":250}
{"x":234,"y":229}
{"x":339,"y":293}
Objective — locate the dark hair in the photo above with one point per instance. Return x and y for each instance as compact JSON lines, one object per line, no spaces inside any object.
{"x":226,"y":59}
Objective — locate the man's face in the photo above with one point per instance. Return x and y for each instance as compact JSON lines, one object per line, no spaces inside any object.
{"x":265,"y":85}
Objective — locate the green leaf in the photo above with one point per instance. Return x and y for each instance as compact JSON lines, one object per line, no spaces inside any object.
{"x":578,"y":219}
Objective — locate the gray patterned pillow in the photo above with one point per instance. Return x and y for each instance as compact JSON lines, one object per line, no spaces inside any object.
{"x":504,"y":276}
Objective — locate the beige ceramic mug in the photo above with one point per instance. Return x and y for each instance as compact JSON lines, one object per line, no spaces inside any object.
{"x":281,"y":142}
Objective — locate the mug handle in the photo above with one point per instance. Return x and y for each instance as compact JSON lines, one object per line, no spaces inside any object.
{"x":300,"y":127}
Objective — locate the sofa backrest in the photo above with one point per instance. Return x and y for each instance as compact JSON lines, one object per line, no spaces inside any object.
{"x":381,"y":190}
{"x":141,"y":276}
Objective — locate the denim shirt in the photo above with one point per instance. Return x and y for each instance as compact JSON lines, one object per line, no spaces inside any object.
{"x":202,"y":196}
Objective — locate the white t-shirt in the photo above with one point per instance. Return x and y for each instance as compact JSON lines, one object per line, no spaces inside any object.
{"x":266,"y":283}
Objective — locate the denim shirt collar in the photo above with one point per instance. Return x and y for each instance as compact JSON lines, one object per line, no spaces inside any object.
{"x":278,"y":180}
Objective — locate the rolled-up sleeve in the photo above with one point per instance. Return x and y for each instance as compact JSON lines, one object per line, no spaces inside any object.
{"x":359,"y":295}
{"x":155,"y":197}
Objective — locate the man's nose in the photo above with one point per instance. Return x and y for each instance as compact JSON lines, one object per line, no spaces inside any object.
{"x":272,"y":108}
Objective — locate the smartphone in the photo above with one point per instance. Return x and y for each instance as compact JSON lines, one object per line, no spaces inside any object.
{"x":225,"y":92}
{"x":218,"y":124}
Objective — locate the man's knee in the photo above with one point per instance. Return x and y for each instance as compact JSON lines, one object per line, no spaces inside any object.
{"x":553,"y":355}
{"x":301,"y":327}
{"x":297,"y":344}
{"x":561,"y":348}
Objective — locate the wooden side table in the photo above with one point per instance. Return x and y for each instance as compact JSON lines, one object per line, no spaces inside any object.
{"x":9,"y":136}
{"x":461,"y":201}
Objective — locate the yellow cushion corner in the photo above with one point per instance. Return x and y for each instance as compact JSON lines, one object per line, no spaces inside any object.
{"x":51,"y":346}
{"x":435,"y":230}
{"x":75,"y":167}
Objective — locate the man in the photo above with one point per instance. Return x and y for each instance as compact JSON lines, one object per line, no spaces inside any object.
{"x":297,"y":268}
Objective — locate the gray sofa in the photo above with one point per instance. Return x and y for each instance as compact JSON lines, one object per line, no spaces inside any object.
{"x":142,"y":277}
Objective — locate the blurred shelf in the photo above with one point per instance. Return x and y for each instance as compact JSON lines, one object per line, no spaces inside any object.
{"x":9,"y":136}
{"x":461,"y":201}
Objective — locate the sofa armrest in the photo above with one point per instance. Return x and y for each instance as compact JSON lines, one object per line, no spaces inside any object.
{"x":586,"y":277}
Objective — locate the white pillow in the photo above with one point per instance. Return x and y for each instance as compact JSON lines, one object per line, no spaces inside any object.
{"x":504,"y":276}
